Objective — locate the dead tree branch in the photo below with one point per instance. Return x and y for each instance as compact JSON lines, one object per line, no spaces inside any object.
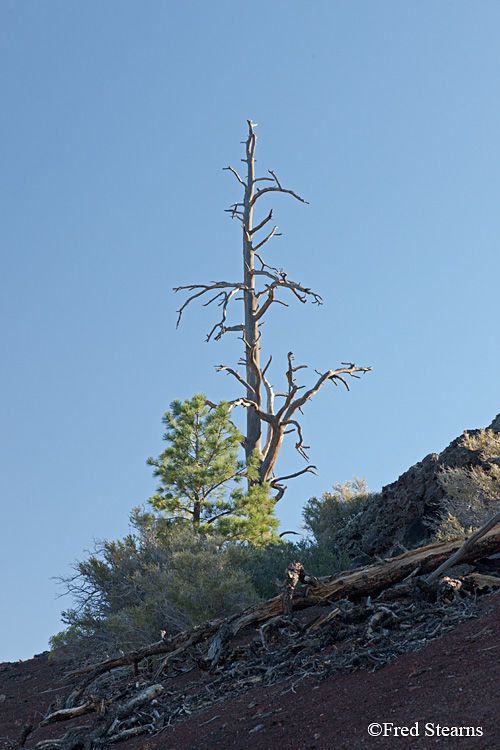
{"x":242,"y":182}
{"x":281,"y":280}
{"x":311,"y":469}
{"x":262,"y":223}
{"x":222,"y":285}
{"x":278,"y":423}
{"x":235,"y":374}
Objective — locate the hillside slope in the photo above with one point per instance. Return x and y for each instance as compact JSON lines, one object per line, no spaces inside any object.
{"x":452,"y":682}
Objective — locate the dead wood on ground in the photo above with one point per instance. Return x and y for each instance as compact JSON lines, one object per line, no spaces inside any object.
{"x":354,"y":584}
{"x":370,"y":616}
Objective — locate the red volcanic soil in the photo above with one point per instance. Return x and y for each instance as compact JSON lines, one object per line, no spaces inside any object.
{"x":429,"y":698}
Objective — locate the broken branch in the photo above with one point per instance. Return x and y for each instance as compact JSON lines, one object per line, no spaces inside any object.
{"x":236,"y":175}
{"x":204,"y":289}
{"x":263,"y":222}
{"x":280,"y":280}
{"x":275,"y":190}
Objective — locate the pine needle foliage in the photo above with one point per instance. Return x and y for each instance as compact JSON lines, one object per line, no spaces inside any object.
{"x":201,"y":477}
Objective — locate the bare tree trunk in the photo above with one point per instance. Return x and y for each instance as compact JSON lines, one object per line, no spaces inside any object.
{"x":251,"y":332}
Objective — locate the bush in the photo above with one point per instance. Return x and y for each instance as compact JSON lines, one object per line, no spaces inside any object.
{"x":473,"y":493}
{"x":266,"y":566}
{"x":127,"y":592}
{"x":169,"y":576}
{"x":325,"y":517}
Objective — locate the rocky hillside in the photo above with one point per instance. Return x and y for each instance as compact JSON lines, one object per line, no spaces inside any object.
{"x":398,"y":518}
{"x":319,"y":666}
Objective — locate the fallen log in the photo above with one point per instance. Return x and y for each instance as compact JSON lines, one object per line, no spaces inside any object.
{"x":370,"y":580}
{"x":482,"y":581}
{"x":461,"y":552}
{"x":63,"y":714}
{"x":373,"y":579}
{"x":104,"y":731}
{"x":172,"y":643}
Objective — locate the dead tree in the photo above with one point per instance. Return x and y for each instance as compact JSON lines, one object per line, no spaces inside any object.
{"x":259,"y":398}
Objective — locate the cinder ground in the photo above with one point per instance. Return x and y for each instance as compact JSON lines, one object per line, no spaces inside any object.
{"x":452,"y":682}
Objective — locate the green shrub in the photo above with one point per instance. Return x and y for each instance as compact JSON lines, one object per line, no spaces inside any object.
{"x":266,"y":566}
{"x":127,"y":592}
{"x":473,"y":494}
{"x":449,"y":527}
{"x":169,"y":576}
{"x":326,"y":516}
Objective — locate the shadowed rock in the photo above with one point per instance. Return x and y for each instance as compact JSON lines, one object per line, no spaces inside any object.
{"x":401,"y":516}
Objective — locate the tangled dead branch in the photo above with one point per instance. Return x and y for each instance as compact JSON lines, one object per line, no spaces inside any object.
{"x":361,"y":619}
{"x":282,"y":421}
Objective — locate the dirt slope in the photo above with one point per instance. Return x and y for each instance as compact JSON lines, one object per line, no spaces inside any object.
{"x":452,"y":682}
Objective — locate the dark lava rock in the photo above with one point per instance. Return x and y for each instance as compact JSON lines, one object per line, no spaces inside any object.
{"x":400,"y":517}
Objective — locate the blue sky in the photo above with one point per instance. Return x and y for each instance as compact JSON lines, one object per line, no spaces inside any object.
{"x":118,"y":118}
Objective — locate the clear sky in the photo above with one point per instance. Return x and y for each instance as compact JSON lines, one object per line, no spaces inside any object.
{"x":118,"y":118}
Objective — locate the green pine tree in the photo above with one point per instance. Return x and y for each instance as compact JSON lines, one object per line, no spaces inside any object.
{"x":201,"y":476}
